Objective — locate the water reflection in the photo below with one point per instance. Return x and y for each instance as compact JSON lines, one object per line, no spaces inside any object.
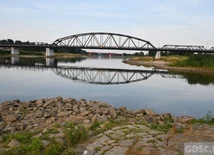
{"x":34,"y":78}
{"x":197,"y":78}
{"x":105,"y":76}
{"x":36,"y":61}
{"x":94,"y":75}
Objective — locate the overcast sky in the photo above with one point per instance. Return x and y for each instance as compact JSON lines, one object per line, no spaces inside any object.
{"x":158,"y":21}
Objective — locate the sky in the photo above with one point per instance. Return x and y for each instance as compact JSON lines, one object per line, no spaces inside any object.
{"x":180,"y":22}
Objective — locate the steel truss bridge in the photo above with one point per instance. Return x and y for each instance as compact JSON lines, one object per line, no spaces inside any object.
{"x":101,"y":40}
{"x":100,"y":76}
{"x":111,"y":41}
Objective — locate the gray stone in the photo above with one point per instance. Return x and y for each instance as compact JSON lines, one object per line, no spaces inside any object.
{"x":59,"y":98}
{"x":47,"y":114}
{"x":131,"y":135}
{"x":39,"y":113}
{"x":38,"y":135}
{"x":117,"y":135}
{"x":88,"y":152}
{"x":86,"y":121}
{"x":142,"y":111}
{"x":126,"y":142}
{"x":45,"y":143}
{"x":39,"y":103}
{"x":14,"y":143}
{"x":99,"y":118}
{"x":112,"y":112}
{"x":105,"y":148}
{"x":117,"y":150}
{"x":97,"y":143}
{"x":10,"y":128}
{"x":149,"y":112}
{"x":26,"y":104}
{"x":50,"y":103}
{"x":60,"y":135}
{"x":84,"y":113}
{"x":109,"y":132}
{"x":11,"y":118}
{"x":185,"y":119}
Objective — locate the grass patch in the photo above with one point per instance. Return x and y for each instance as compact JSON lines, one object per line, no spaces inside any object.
{"x":197,"y":61}
{"x":95,"y":125}
{"x":75,"y":134}
{"x":164,"y":127}
{"x":207,"y":119}
{"x":170,"y":59}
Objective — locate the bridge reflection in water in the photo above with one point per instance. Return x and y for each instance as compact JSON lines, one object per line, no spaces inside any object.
{"x":107,"y":76}
{"x":102,"y":76}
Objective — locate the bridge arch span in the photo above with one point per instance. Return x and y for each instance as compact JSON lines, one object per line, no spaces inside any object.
{"x":104,"y":40}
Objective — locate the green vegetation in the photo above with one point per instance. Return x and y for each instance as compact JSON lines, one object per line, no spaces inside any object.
{"x":37,"y":53}
{"x":207,"y":119}
{"x":163,"y":58}
{"x":75,"y":134}
{"x":46,"y":143}
{"x":197,"y":78}
{"x":30,"y":145}
{"x":159,"y":127}
{"x":197,"y":61}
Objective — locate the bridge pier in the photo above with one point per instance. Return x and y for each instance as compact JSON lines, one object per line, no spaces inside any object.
{"x":14,"y":50}
{"x":49,"y":52}
{"x":158,"y":55}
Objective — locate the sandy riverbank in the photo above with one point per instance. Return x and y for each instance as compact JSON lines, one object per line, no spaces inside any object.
{"x":165,"y":65}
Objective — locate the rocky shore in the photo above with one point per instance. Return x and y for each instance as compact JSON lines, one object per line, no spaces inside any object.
{"x":94,"y":128}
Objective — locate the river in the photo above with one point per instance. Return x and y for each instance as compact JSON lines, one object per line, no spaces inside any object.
{"x":108,"y":80}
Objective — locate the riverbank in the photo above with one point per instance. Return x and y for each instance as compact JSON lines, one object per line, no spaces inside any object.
{"x":70,"y":126}
{"x":57,"y":55}
{"x":160,"y":64}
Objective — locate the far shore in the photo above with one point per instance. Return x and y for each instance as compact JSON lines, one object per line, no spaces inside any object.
{"x":57,"y":55}
{"x":165,"y":65}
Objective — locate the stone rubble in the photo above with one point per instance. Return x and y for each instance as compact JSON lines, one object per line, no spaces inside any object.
{"x":132,"y":138}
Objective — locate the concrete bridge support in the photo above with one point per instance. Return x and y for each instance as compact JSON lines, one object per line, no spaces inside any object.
{"x":49,"y":52}
{"x":158,"y":55}
{"x":14,"y":50}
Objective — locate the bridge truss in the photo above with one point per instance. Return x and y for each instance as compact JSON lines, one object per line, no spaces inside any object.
{"x":101,"y":40}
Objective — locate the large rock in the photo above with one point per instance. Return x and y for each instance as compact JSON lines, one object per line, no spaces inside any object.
{"x":26,"y":104}
{"x":11,"y":118}
{"x":112,"y":112}
{"x":50,"y":103}
{"x":39,"y":113}
{"x":149,"y":112}
{"x":185,"y":119}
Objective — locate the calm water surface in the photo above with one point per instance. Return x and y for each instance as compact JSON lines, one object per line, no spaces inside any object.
{"x":182,"y":95}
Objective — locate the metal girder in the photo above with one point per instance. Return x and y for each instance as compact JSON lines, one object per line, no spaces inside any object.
{"x":184,"y":47}
{"x":103,"y":40}
{"x":212,"y":49}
